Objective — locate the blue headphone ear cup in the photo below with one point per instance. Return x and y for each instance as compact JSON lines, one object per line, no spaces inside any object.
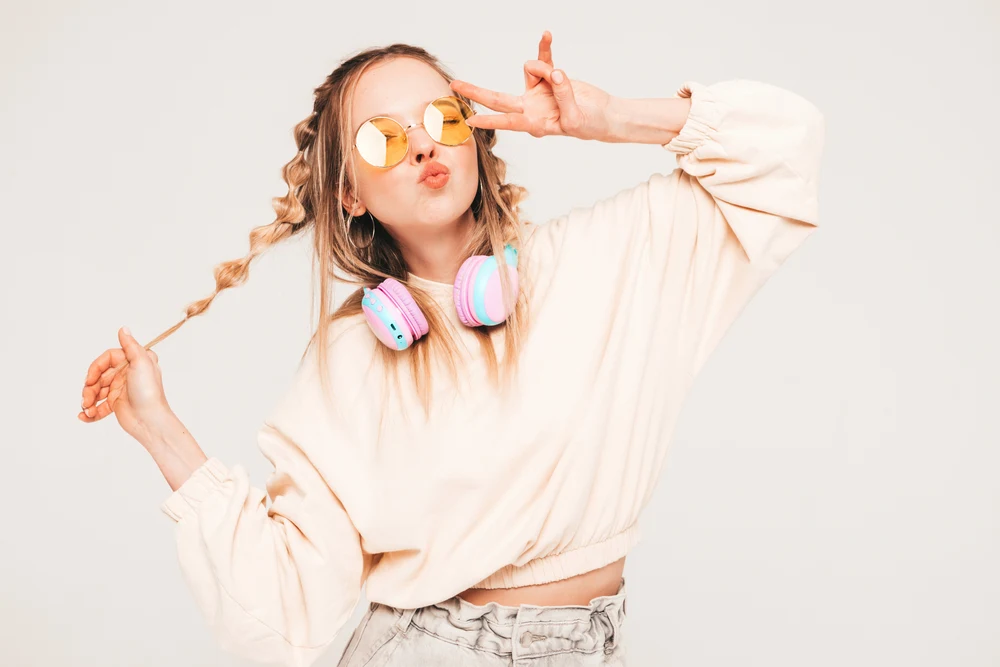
{"x":401,"y":298}
{"x":385,"y":320}
{"x":462,"y":292}
{"x":478,"y":291}
{"x":392,"y":315}
{"x":487,"y":292}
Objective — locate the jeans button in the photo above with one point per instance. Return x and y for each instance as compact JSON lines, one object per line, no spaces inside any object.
{"x":526,"y":638}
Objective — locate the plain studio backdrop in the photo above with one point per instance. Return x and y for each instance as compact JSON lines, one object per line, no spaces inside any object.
{"x":830,"y":496}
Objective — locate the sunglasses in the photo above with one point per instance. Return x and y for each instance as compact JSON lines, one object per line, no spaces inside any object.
{"x":382,"y":141}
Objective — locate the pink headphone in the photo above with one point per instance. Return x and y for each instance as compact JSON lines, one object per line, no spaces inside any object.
{"x":396,"y":320}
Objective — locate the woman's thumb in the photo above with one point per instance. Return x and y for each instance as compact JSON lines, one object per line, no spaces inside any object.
{"x":133,"y":351}
{"x":562,"y":90}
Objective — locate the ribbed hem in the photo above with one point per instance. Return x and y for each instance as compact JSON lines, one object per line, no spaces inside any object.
{"x":206,"y":478}
{"x":565,"y":564}
{"x":703,"y":118}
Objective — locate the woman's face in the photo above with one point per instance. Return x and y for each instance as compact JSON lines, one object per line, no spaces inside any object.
{"x":401,"y":89}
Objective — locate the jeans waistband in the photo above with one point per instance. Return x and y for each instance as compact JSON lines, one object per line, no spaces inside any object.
{"x":525,"y":630}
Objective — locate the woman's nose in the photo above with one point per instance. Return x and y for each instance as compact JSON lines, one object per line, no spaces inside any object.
{"x":422,"y":147}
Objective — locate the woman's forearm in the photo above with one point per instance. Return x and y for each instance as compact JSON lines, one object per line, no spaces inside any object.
{"x":174,"y":449}
{"x":646,"y":121}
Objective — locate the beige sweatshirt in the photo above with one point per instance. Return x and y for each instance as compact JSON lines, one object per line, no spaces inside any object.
{"x":630,"y":296}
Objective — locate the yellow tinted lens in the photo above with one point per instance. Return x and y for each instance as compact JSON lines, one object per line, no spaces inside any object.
{"x":444,"y":120}
{"x":381,"y":142}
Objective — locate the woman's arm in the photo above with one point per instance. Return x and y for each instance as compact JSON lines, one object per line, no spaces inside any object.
{"x":276,"y":572}
{"x":174,"y":450}
{"x":646,"y":121}
{"x":688,"y":249}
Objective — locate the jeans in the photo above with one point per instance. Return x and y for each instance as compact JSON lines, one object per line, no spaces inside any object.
{"x":457,"y":632}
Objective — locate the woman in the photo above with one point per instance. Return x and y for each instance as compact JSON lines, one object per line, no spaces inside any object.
{"x":473,"y":433}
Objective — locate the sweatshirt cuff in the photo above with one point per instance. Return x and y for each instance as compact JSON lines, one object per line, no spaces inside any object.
{"x":703,"y":119}
{"x":205,"y":479}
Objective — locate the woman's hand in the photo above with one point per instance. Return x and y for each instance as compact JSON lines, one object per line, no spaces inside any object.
{"x":134,"y":394}
{"x":551,"y":103}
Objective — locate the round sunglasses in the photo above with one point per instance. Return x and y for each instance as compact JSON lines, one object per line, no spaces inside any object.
{"x":383,"y":143}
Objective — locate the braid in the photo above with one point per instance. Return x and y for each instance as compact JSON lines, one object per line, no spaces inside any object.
{"x":292,"y":217}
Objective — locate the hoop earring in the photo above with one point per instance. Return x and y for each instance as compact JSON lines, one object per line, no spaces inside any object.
{"x":370,"y":240}
{"x":479,"y":195}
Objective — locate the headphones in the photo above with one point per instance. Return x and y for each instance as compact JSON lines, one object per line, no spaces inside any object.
{"x":395,"y":319}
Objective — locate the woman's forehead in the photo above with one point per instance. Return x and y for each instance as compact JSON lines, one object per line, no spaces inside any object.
{"x":400,"y":88}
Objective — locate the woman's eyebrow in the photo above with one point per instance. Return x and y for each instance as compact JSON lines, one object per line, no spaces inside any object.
{"x":418,"y":109}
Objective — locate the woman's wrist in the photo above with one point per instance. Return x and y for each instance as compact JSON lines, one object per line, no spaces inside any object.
{"x":173,"y":448}
{"x":646,"y":121}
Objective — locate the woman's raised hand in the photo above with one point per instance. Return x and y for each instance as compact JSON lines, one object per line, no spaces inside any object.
{"x":134,"y":394}
{"x":552,"y":104}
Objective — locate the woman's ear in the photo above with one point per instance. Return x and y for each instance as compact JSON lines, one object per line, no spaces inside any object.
{"x":353,"y":205}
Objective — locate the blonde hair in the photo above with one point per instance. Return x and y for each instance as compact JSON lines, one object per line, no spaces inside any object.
{"x":319,"y":173}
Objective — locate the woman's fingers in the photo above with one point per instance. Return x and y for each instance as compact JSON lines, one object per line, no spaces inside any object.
{"x":98,"y":411}
{"x":101,"y":411}
{"x":570,"y":115}
{"x":530,"y":80}
{"x":501,"y":121}
{"x":104,"y":361}
{"x":544,"y":55}
{"x":539,"y":68}
{"x":99,"y":375}
{"x":92,"y":392}
{"x":134,"y":352}
{"x":103,"y":381}
{"x":490,"y":99}
{"x":545,"y":48}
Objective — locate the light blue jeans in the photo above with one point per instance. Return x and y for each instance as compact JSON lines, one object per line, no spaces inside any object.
{"x":457,"y":632}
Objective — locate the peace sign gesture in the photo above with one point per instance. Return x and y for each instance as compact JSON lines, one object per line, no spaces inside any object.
{"x":552,"y":104}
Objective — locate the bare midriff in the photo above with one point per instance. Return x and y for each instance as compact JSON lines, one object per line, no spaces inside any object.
{"x":580,"y":589}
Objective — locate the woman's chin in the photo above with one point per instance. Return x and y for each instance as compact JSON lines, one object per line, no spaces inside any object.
{"x":434,"y":216}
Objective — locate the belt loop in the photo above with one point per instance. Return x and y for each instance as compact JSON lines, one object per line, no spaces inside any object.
{"x":403,"y":622}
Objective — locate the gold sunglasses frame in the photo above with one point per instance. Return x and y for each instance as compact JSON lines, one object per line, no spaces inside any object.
{"x":406,"y":129}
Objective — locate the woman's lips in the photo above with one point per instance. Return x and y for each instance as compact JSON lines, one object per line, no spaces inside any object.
{"x":436,"y":181}
{"x":434,"y":175}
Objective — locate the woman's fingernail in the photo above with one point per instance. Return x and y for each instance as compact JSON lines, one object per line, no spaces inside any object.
{"x":127,"y":332}
{"x":557,"y":76}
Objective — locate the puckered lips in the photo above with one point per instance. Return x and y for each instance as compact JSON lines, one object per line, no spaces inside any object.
{"x":434,"y":175}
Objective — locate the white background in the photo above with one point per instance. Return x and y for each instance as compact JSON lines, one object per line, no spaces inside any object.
{"x":831,"y":495}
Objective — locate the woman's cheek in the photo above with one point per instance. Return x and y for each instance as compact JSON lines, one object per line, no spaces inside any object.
{"x":472,"y":168}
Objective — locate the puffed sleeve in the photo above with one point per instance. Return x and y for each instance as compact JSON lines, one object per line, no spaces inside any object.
{"x":685,"y":251}
{"x":750,"y":160}
{"x":275,"y":580}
